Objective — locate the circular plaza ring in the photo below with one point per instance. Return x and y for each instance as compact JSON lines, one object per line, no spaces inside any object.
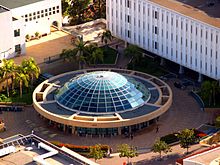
{"x":103,"y":102}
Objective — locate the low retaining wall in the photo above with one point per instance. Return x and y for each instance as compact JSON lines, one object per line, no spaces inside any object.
{"x":212,"y":110}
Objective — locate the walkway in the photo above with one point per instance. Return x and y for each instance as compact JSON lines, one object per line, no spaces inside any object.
{"x":184,"y":113}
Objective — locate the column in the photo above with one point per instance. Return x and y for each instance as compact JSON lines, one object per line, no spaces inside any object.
{"x":181,"y":70}
{"x":162,"y":61}
{"x":126,"y":44}
{"x":200,"y":78}
{"x":73,"y":130}
{"x":64,"y":128}
{"x":119,"y":130}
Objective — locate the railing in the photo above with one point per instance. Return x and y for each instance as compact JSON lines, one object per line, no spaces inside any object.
{"x":198,"y":100}
{"x":51,"y":59}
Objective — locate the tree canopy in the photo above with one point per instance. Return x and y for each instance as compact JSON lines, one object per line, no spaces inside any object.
{"x":96,"y":152}
{"x":186,"y":138}
{"x":128,"y":151}
{"x":161,"y":146}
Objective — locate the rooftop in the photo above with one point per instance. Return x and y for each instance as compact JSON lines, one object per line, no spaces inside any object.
{"x":202,"y":10}
{"x":209,"y":156}
{"x":2,"y":9}
{"x":11,"y":4}
{"x":31,"y":149}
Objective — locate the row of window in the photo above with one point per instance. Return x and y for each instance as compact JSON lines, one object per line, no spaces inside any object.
{"x":41,"y":14}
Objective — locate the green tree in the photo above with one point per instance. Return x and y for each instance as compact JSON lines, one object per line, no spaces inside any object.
{"x":22,"y":78}
{"x":31,"y":68}
{"x":76,"y":10}
{"x":134,"y":53}
{"x":80,"y":48}
{"x":215,"y":91}
{"x":97,"y":55}
{"x":217,"y":122}
{"x":96,"y":152}
{"x":161,"y":146}
{"x":106,"y":36}
{"x":65,"y":5}
{"x":186,"y":138}
{"x":100,"y":5}
{"x":128,"y":151}
{"x":68,"y":54}
{"x":206,"y":91}
{"x":7,"y":70}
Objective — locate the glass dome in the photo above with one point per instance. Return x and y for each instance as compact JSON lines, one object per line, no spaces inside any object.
{"x":100,"y":92}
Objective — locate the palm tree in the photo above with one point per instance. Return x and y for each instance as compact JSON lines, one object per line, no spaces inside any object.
{"x":206,"y":91}
{"x":133,"y":52}
{"x":7,"y":70}
{"x":22,"y":78}
{"x":31,"y":68}
{"x":68,"y":54}
{"x":80,"y":49}
{"x":97,"y":55}
{"x":106,"y":36}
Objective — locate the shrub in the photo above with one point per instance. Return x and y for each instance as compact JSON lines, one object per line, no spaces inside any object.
{"x":170,"y":138}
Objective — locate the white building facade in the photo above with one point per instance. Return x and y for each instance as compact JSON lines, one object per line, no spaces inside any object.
{"x":22,"y":18}
{"x":174,"y":36}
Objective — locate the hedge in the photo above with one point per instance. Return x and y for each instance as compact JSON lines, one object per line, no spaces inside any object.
{"x":78,"y":148}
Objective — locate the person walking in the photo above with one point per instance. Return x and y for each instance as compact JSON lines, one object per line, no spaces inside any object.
{"x":157,"y":129}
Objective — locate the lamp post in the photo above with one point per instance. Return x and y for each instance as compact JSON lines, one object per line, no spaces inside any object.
{"x":4,"y":53}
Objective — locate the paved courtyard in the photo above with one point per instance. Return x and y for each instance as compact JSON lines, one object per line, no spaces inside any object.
{"x":184,"y":113}
{"x":47,"y":46}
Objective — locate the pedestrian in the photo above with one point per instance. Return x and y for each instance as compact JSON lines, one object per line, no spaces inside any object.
{"x":132,"y":136}
{"x":111,"y":150}
{"x":157,"y":129}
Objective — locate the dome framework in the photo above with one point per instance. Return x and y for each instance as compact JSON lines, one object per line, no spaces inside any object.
{"x":100,"y":92}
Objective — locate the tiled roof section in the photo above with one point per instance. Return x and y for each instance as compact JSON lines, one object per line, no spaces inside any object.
{"x":194,"y":10}
{"x":11,"y":4}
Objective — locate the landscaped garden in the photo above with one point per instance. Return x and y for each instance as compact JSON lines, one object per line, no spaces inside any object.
{"x":143,"y":64}
{"x":17,"y":81}
{"x":109,"y":56}
{"x":210,"y":92}
{"x":89,"y":53}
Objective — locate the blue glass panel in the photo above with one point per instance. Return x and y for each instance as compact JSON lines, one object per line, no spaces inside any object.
{"x":103,"y":90}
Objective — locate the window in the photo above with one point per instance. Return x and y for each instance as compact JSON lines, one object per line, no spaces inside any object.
{"x":17,"y":48}
{"x":155,"y":30}
{"x":155,"y":15}
{"x":155,"y":45}
{"x":128,"y":17}
{"x":129,"y":34}
{"x":128,"y":3}
{"x":16,"y":32}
